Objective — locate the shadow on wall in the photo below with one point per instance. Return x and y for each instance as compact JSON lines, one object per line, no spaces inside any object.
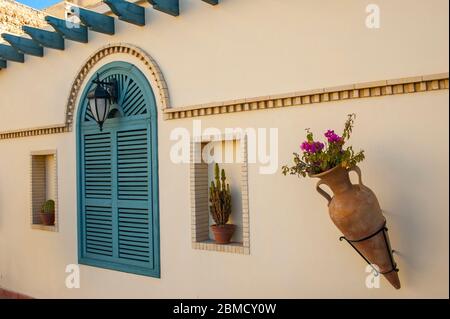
{"x":403,"y":217}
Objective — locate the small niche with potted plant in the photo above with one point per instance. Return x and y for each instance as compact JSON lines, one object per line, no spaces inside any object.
{"x":44,"y":190}
{"x":219,"y":194}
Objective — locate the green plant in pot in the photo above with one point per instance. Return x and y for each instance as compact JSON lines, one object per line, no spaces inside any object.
{"x":48,"y":213}
{"x":220,"y":207}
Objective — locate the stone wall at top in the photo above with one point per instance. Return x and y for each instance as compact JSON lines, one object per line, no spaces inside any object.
{"x":14,"y":15}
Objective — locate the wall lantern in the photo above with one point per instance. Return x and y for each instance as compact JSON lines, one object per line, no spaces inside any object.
{"x":101,"y":98}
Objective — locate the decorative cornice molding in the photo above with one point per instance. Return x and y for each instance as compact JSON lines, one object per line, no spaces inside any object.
{"x":354,"y":91}
{"x":42,"y":130}
{"x":331,"y":94}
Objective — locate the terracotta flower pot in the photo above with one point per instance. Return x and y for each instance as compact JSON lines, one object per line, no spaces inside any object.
{"x":48,"y":219}
{"x":355,"y":211}
{"x":223,"y":233}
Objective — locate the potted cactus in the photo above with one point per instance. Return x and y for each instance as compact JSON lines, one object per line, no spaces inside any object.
{"x":48,"y":213}
{"x":220,"y":207}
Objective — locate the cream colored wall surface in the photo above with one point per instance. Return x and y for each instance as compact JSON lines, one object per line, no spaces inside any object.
{"x":244,"y":49}
{"x":295,"y":251}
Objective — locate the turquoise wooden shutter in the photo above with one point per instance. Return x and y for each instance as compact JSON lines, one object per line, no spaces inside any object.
{"x":117,"y":176}
{"x":133,"y":167}
{"x":98,"y":219}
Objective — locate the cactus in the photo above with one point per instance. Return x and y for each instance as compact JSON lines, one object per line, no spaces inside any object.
{"x":220,"y":198}
{"x":48,"y":207}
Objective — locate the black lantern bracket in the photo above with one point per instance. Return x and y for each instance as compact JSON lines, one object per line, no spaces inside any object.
{"x":112,"y":88}
{"x":384,"y":230}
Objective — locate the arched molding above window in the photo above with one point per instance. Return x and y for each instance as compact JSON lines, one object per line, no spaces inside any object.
{"x":157,"y":78}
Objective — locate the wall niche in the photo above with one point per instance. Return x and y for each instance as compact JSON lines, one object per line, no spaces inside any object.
{"x":230,"y":152}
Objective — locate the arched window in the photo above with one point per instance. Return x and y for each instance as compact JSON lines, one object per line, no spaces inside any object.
{"x":118,"y":214}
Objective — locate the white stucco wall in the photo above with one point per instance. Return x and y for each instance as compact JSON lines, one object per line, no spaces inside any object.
{"x":236,"y":50}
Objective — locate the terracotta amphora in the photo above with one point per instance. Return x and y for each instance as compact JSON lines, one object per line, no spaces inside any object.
{"x":355,"y":211}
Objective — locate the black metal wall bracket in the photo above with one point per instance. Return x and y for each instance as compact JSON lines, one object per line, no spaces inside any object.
{"x":384,"y":230}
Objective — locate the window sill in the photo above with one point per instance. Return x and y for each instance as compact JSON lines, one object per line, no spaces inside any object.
{"x":44,"y":227}
{"x":233,"y":247}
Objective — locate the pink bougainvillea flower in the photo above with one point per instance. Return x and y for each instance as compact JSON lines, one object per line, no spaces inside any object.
{"x":332,"y":137}
{"x":312,"y":147}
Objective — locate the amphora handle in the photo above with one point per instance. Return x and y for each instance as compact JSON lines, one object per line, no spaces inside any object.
{"x":322,"y":192}
{"x":358,"y":171}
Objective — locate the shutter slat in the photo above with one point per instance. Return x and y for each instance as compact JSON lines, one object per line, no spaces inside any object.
{"x":98,"y":251}
{"x":135,"y":105}
{"x":134,"y":243}
{"x":133,"y":219}
{"x":135,"y":239}
{"x":133,"y":257}
{"x":94,"y":235}
{"x":139,"y":225}
{"x":92,"y":240}
{"x":133,"y":230}
{"x":99,"y":221}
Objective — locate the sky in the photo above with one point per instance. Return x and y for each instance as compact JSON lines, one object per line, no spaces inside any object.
{"x":38,"y":4}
